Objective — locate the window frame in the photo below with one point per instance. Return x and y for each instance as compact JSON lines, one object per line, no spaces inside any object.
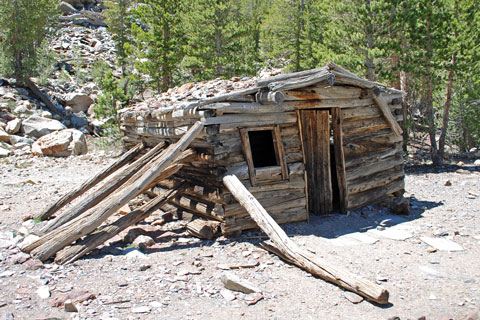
{"x":258,"y":174}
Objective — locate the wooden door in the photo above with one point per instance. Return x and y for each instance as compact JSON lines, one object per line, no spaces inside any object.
{"x":315,"y":132}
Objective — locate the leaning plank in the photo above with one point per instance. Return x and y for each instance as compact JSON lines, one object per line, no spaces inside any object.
{"x":96,"y":238}
{"x":302,"y":82}
{"x":90,"y":183}
{"x":382,"y":104}
{"x":292,"y":253}
{"x":107,"y":188}
{"x":78,"y":228}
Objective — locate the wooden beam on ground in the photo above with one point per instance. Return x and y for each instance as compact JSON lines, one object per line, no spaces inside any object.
{"x":90,"y":183}
{"x":155,"y":170}
{"x":288,"y":250}
{"x":382,"y":104}
{"x":96,"y":238}
{"x":112,"y":184}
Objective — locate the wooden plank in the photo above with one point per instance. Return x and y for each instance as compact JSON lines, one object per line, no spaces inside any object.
{"x":273,"y":203}
{"x":203,"y":229}
{"x":324,"y":92}
{"x":280,"y":152}
{"x":77,"y":228}
{"x":337,"y":123}
{"x":374,"y":195}
{"x":382,"y":104}
{"x":282,"y":77}
{"x":376,"y":180}
{"x":301,"y":82}
{"x":245,"y":119}
{"x":294,"y":254}
{"x":90,"y":183}
{"x":198,"y":205}
{"x":373,"y":167}
{"x":112,"y":184}
{"x":93,"y":240}
{"x":368,"y":145}
{"x":248,"y":155}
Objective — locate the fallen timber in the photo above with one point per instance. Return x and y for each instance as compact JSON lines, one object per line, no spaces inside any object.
{"x":90,"y":183}
{"x":54,"y":241}
{"x":289,"y":251}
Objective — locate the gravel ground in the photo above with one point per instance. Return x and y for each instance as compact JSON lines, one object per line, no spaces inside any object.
{"x":179,"y":276}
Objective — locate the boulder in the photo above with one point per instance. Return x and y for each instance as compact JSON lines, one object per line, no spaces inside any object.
{"x":13,"y":126}
{"x":61,"y":144}
{"x":37,"y":127}
{"x":79,"y":102}
{"x":4,"y":137}
{"x":16,"y":140}
{"x":66,"y":8}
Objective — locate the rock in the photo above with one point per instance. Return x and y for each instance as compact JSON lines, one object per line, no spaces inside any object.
{"x":234,"y":283}
{"x":4,"y":137}
{"x":227,"y":295}
{"x":16,"y":140}
{"x":61,"y":144}
{"x":19,"y":258}
{"x":76,"y":296}
{"x":253,"y":298}
{"x":66,"y":8}
{"x":43,"y":292}
{"x":46,"y":114}
{"x":37,"y":126}
{"x":20,"y":109}
{"x":353,"y":297}
{"x":477,"y":162}
{"x":142,"y":309}
{"x":442,"y":244}
{"x":69,"y":306}
{"x":134,"y":254}
{"x":13,"y":126}
{"x":143,"y":242}
{"x":33,"y":264}
{"x":4,"y":152}
{"x":78,"y":102}
{"x":448,"y":183}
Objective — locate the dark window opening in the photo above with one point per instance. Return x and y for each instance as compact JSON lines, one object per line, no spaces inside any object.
{"x":263,"y":149}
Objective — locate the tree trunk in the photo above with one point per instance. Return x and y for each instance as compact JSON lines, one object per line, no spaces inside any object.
{"x":446,"y":112}
{"x":39,"y":94}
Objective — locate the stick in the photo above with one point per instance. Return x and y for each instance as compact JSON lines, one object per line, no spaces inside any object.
{"x":95,"y":239}
{"x":90,"y":183}
{"x":288,"y":250}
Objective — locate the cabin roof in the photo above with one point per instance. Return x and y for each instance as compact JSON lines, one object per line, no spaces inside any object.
{"x":195,"y":95}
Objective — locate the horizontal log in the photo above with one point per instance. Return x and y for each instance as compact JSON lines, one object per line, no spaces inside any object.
{"x":246,"y":223}
{"x":357,"y":148}
{"x":301,"y":82}
{"x":360,"y":160}
{"x":243,"y":120}
{"x":375,"y":195}
{"x":373,"y":167}
{"x":366,"y":111}
{"x":264,"y":97}
{"x":364,"y":125}
{"x":265,"y":82}
{"x":375,"y":180}
{"x":273,"y":204}
{"x":199,"y":206}
{"x":241,"y":171}
{"x":203,"y":229}
{"x":320,"y":92}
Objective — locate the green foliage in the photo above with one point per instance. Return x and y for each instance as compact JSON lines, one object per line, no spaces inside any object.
{"x":158,"y":40}
{"x":24,"y":25}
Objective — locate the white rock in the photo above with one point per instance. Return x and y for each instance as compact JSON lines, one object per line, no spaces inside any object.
{"x":4,"y":137}
{"x":13,"y":126}
{"x":46,"y":114}
{"x":477,"y":162}
{"x":78,"y":102}
{"x":4,"y":152}
{"x":61,"y":144}
{"x":37,"y":126}
{"x":442,"y":244}
{"x":142,"y":309}
{"x":43,"y":292}
{"x":232,"y":282}
{"x":134,"y":254}
{"x":15,"y":140}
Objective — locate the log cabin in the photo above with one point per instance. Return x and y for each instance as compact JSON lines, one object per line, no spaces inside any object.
{"x":311,"y":142}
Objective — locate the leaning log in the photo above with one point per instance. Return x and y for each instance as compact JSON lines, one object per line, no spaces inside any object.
{"x":112,"y":184}
{"x":90,"y":183}
{"x":77,"y":228}
{"x":96,"y":238}
{"x":289,"y":251}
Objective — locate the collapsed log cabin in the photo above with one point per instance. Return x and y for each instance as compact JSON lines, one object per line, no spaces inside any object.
{"x":311,"y":142}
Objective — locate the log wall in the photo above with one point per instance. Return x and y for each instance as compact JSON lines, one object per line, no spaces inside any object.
{"x":372,"y":153}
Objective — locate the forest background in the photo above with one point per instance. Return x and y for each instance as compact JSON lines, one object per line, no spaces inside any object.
{"x":427,"y":48}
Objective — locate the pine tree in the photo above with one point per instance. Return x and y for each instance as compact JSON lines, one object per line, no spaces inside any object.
{"x":159,"y":40}
{"x":24,"y":26}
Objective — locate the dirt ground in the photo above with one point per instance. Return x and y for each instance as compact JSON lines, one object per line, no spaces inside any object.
{"x":179,"y":276}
